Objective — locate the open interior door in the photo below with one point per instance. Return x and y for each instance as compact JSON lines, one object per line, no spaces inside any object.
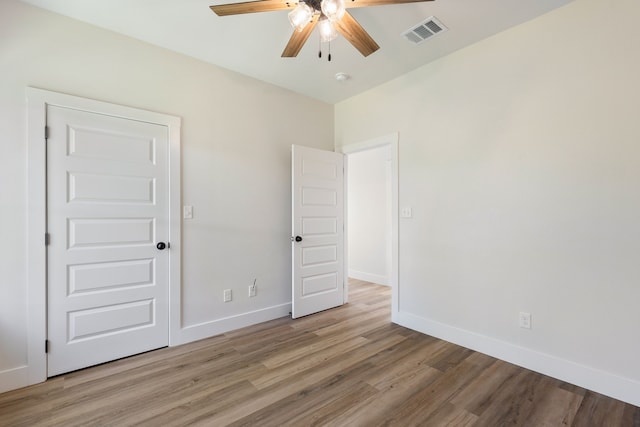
{"x":317,"y":230}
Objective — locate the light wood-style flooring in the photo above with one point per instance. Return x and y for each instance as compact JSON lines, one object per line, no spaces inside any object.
{"x":348,"y":366}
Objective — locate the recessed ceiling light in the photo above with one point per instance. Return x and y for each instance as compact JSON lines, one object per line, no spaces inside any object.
{"x":342,"y":77}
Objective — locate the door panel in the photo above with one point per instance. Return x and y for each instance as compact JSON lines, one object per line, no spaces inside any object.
{"x":108,"y":275}
{"x":107,"y":207}
{"x":318,"y":218}
{"x":85,"y":187}
{"x":99,"y":232}
{"x":96,"y":322}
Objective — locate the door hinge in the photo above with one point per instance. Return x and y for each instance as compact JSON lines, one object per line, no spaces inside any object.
{"x":46,"y":132}
{"x":47,"y":239}
{"x":46,"y":346}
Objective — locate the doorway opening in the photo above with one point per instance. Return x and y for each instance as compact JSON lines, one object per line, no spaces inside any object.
{"x":372,"y":213}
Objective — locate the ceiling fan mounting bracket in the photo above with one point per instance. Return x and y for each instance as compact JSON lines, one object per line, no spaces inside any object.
{"x":314,"y":4}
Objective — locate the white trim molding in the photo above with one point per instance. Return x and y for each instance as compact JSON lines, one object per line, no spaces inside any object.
{"x":369,"y":277}
{"x":220,"y":326}
{"x":11,"y":379}
{"x":565,"y":370}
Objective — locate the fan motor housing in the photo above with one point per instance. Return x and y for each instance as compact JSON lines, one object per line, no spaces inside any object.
{"x":314,"y":4}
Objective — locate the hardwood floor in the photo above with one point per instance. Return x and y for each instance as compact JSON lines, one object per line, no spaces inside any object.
{"x":343,"y":367}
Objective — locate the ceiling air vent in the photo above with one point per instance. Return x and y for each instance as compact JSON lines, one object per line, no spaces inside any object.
{"x":424,"y":30}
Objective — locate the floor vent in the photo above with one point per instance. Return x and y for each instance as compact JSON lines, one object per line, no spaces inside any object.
{"x":424,"y":30}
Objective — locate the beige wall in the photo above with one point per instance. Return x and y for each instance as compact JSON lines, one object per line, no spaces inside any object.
{"x":236,"y":139}
{"x":520,"y":157}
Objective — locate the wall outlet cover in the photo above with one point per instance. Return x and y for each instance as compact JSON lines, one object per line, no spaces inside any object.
{"x":524,"y":320}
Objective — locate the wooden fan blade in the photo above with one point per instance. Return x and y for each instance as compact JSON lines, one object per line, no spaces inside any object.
{"x":298,"y":38}
{"x":252,"y":7}
{"x":356,"y":35}
{"x":364,"y":3}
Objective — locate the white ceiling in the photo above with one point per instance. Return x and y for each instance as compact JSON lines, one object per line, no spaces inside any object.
{"x":251,"y":44}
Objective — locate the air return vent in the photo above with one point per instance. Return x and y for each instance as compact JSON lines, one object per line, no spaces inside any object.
{"x":424,"y":30}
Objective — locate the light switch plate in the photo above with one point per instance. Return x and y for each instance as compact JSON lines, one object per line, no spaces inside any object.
{"x":406,"y":212}
{"x":187,"y":212}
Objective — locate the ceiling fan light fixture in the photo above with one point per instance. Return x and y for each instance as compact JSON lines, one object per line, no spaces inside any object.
{"x":326,"y":29}
{"x":333,"y":9}
{"x":300,"y":16}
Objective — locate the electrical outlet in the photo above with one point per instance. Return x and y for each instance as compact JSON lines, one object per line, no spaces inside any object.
{"x":524,"y":320}
{"x":227,"y":295}
{"x":253,"y":289}
{"x":406,"y":212}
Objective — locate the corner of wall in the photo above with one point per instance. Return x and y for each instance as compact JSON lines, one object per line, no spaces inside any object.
{"x":220,"y":326}
{"x":583,"y":376}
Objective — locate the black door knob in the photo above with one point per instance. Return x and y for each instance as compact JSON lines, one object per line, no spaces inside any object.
{"x":298,"y":239}
{"x":161,"y":245}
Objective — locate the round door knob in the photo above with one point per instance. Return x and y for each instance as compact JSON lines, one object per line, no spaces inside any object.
{"x":298,"y":239}
{"x":161,"y":245}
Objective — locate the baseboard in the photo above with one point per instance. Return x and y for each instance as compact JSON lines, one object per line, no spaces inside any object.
{"x":220,"y":326}
{"x":369,"y":277}
{"x":14,"y":378}
{"x":596,"y":380}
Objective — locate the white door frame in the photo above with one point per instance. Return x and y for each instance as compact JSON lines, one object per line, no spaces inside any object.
{"x":38,"y":99}
{"x":390,"y":140}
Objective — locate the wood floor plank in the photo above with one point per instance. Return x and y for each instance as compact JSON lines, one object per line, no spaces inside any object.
{"x":598,"y":410}
{"x":423,"y":403}
{"x":320,"y":416}
{"x":144,"y":360}
{"x":394,"y":370}
{"x":308,"y":351}
{"x":478,"y":395}
{"x":294,"y":408}
{"x":359,"y":322}
{"x":349,"y":366}
{"x":450,"y":415}
{"x":304,"y":379}
{"x":393,"y":394}
{"x":281,"y":336}
{"x":558,"y":407}
{"x":515,"y":401}
{"x":200,"y":407}
{"x":282,"y":373}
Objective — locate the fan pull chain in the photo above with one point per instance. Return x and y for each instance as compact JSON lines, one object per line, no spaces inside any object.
{"x":320,"y":49}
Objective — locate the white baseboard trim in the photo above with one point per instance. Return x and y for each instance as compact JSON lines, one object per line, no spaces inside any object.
{"x":220,"y":326}
{"x":369,"y":277}
{"x":611,"y":385}
{"x":14,"y":378}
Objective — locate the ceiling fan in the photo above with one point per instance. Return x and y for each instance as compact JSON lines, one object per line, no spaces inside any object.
{"x":330,"y":16}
